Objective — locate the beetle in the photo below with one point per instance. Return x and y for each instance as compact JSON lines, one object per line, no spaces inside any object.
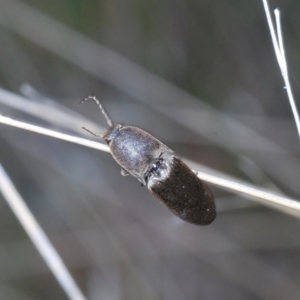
{"x":167,"y":177}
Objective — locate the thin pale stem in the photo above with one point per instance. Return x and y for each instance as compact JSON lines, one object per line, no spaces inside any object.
{"x":280,"y":55}
{"x":55,"y":134}
{"x":273,"y":34}
{"x":280,"y":39}
{"x":38,"y":237}
{"x":265,"y":197}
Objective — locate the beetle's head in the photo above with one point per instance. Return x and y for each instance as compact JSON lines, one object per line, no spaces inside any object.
{"x":111,"y":133}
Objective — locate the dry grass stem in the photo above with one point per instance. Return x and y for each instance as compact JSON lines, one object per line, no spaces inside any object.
{"x":280,"y":55}
{"x":38,"y":237}
{"x":283,"y":203}
{"x":55,"y":134}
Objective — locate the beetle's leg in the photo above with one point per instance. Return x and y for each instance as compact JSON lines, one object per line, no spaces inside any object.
{"x":124,"y":172}
{"x":91,"y":132}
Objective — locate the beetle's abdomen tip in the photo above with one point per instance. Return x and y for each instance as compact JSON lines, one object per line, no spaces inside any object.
{"x":184,"y":193}
{"x":208,"y":215}
{"x":202,"y":214}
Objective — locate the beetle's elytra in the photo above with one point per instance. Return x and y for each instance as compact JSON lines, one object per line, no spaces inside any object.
{"x":170,"y":180}
{"x":184,"y":193}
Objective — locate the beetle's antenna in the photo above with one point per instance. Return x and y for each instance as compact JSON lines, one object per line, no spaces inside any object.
{"x":92,"y":97}
{"x":91,"y":132}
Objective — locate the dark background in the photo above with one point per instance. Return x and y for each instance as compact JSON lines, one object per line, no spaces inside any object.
{"x":201,"y":75}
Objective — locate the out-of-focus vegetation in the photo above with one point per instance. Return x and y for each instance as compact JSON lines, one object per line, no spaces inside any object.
{"x":201,"y":76}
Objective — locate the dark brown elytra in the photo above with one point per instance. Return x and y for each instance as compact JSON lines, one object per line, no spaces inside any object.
{"x":168,"y":178}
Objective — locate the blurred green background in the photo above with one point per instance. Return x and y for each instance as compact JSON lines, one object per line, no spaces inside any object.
{"x":200,"y":75}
